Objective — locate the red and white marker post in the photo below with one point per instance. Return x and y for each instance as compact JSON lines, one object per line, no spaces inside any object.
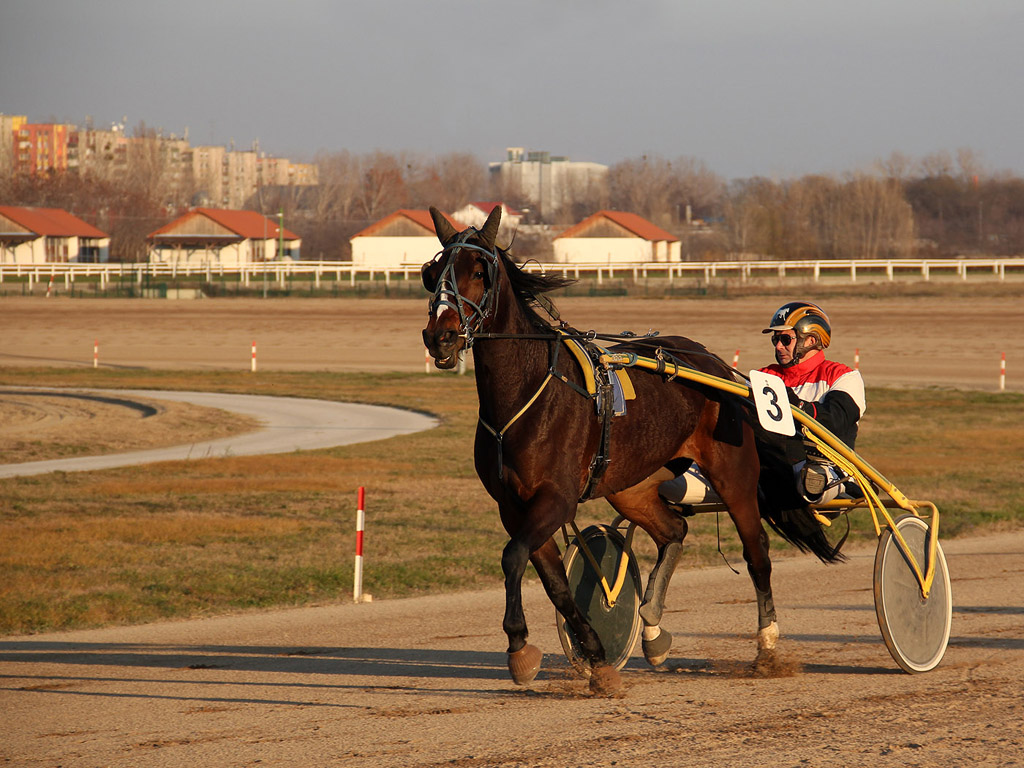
{"x":357,"y":582}
{"x":736,"y":359}
{"x":96,"y":353}
{"x":1002,"y":372}
{"x":253,"y":367}
{"x":856,"y":359}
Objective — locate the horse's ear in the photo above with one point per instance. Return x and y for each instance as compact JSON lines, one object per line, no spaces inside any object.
{"x":490,"y":231}
{"x":444,"y":229}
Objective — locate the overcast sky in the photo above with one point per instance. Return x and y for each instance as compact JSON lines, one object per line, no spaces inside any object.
{"x":750,"y":87}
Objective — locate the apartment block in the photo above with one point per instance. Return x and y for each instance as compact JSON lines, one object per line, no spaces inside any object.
{"x":545,"y":179}
{"x":213,"y":175}
{"x":40,"y":147}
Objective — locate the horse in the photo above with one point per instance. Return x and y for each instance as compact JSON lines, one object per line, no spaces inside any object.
{"x":537,"y":438}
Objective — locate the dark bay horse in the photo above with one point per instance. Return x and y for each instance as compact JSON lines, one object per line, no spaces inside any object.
{"x":537,"y":438}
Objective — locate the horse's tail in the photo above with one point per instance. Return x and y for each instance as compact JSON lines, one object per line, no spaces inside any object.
{"x":799,"y":527}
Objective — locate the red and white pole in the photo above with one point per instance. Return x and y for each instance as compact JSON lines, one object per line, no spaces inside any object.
{"x":357,"y":582}
{"x":1002,"y":372}
{"x":49,"y":286}
{"x":96,"y":353}
{"x":736,"y":359}
{"x":426,"y":360}
{"x":856,"y":359}
{"x":253,"y":367}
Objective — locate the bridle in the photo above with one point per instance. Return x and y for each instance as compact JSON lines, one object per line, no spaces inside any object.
{"x":472,"y":315}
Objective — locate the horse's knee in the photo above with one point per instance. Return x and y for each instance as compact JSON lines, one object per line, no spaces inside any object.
{"x":513,"y":557}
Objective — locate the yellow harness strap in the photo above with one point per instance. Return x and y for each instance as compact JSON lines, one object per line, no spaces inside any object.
{"x":586,"y":364}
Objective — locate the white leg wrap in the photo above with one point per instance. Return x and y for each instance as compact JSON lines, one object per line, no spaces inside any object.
{"x":651,"y":633}
{"x":768,"y":637}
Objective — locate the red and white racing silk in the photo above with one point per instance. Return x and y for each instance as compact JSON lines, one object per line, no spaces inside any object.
{"x":815,"y":377}
{"x":830,"y":392}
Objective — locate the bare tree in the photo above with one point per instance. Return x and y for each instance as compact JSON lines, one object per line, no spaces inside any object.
{"x":450,"y":181}
{"x":638,"y":185}
{"x":383,"y":185}
{"x":337,"y":194}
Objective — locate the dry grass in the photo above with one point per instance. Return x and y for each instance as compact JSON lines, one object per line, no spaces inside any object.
{"x":201,"y":537}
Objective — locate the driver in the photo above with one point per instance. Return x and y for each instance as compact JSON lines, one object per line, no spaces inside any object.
{"x":830,"y":392}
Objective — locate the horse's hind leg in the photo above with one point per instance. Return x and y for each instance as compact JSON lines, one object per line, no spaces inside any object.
{"x":642,"y":505}
{"x":739,"y":492}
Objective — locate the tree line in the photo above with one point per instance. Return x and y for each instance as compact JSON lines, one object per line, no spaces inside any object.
{"x":939,"y":205}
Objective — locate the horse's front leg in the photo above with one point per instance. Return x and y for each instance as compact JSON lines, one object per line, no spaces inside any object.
{"x":523,"y":659}
{"x":604,"y":678}
{"x":532,"y":541}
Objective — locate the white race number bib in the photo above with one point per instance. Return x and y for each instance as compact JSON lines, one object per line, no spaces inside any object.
{"x":771,"y":401}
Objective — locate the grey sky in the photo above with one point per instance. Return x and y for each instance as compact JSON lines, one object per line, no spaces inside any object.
{"x":770,"y":87}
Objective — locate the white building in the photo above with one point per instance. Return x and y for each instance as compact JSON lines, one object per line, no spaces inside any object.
{"x":615,"y":237}
{"x":405,"y":237}
{"x":548,"y":180}
{"x":475,"y":214}
{"x":48,"y":235}
{"x":219,"y":237}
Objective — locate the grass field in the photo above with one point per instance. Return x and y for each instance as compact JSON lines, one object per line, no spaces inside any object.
{"x":206,"y":537}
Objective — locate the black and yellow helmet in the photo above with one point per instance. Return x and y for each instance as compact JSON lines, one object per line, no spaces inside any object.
{"x":804,"y":319}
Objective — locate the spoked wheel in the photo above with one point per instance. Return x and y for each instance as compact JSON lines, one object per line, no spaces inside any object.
{"x":618,"y":625}
{"x":915,"y":629}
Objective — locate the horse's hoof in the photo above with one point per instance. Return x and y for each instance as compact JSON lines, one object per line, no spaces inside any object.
{"x":656,"y":650}
{"x":524,"y":664}
{"x":768,"y":637}
{"x":766,"y":664}
{"x":605,"y":680}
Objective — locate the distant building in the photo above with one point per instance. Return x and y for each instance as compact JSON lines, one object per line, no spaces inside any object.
{"x":549,"y":181}
{"x":183,"y":174}
{"x":611,"y":237}
{"x":475,"y":214}
{"x":41,"y":147}
{"x":404,"y":237}
{"x":9,"y":126}
{"x":48,"y":235}
{"x":222,"y":237}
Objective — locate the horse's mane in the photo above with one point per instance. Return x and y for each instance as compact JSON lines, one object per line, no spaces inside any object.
{"x":528,"y":286}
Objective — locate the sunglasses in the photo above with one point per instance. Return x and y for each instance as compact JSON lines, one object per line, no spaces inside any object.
{"x":785,"y":338}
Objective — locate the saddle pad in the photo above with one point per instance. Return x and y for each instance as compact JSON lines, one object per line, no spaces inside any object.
{"x":622,"y":387}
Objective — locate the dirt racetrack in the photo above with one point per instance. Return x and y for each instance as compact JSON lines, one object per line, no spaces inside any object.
{"x":422,"y":682}
{"x":946,"y":341}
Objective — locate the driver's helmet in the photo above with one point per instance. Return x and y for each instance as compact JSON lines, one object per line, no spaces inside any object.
{"x":804,"y":319}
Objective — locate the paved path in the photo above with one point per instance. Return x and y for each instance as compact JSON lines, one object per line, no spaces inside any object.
{"x":289,"y":424}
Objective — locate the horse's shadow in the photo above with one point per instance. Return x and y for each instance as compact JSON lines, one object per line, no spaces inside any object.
{"x":374,"y":662}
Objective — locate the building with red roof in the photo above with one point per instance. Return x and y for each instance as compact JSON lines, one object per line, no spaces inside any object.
{"x":402,"y":238}
{"x":48,"y":235}
{"x":610,"y":237}
{"x":216,"y":236}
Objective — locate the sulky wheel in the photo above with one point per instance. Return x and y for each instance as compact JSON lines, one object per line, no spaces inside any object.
{"x":915,"y":630}
{"x":617,"y":625}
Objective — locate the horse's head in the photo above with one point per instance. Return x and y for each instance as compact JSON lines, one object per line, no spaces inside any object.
{"x":462,"y":280}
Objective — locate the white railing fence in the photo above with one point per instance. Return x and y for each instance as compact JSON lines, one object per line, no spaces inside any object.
{"x":64,"y":275}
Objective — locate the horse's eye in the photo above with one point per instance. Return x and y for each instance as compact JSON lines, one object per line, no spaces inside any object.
{"x":478,"y":275}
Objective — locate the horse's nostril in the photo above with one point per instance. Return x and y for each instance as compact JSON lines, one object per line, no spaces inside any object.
{"x":448,"y":337}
